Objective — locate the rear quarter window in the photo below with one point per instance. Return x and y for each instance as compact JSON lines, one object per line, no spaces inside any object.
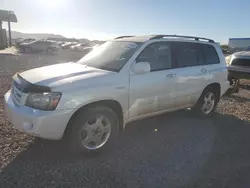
{"x":210,"y":55}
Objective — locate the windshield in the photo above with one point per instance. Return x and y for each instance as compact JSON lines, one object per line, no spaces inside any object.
{"x":111,"y":56}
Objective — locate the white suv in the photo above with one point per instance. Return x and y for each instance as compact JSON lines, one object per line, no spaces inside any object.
{"x":126,"y":79}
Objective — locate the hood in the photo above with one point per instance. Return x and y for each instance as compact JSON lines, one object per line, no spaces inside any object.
{"x":242,"y":54}
{"x":57,"y":74}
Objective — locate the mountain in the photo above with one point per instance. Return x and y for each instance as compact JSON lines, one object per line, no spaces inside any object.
{"x":38,"y":36}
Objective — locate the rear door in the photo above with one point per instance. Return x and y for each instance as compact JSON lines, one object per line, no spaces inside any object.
{"x":192,"y":75}
{"x":212,"y":64}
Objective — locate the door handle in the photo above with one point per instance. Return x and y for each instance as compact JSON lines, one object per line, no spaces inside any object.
{"x":171,"y":75}
{"x":203,"y":70}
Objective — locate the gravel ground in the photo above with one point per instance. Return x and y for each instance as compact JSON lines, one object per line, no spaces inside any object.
{"x":229,"y":162}
{"x":172,"y":150}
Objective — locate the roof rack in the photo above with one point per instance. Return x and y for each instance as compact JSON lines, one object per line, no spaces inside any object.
{"x":120,"y":37}
{"x":181,"y":36}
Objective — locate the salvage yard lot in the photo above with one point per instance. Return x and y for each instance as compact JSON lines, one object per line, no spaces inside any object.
{"x":171,"y":150}
{"x":13,"y":62}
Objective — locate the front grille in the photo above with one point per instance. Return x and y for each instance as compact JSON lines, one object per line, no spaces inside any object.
{"x":241,"y":62}
{"x":17,"y":85}
{"x":16,"y":93}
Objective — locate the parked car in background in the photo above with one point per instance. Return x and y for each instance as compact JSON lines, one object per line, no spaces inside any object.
{"x":89,"y":102}
{"x":79,"y":47}
{"x":234,"y":50}
{"x":60,"y":43}
{"x":238,"y":68}
{"x":67,"y":45}
{"x":225,"y":51}
{"x":39,"y":45}
{"x":20,"y":41}
{"x":87,"y":50}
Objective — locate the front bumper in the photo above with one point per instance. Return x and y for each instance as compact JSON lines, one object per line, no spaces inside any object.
{"x":238,"y":72}
{"x":44,"y":124}
{"x":238,"y":75}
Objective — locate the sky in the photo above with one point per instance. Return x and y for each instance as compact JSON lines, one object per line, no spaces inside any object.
{"x":103,"y":19}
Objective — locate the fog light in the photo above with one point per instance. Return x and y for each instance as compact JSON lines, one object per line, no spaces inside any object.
{"x":28,"y":126}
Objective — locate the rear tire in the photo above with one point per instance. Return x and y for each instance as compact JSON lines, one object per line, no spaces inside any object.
{"x":93,"y":129}
{"x":207,"y":102}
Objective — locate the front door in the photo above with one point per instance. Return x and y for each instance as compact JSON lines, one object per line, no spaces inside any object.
{"x":153,"y":91}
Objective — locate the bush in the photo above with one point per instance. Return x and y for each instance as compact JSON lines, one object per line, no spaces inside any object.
{"x":224,"y":46}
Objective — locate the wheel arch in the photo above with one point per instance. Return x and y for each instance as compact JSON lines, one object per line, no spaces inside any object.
{"x":216,"y":86}
{"x":110,"y":103}
{"x":212,"y":86}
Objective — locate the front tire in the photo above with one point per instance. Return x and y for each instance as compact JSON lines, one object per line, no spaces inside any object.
{"x":207,"y":103}
{"x":93,"y":129}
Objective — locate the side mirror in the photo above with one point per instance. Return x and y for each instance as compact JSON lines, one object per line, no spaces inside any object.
{"x":141,"y":67}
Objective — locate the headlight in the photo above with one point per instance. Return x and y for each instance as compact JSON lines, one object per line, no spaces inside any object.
{"x":43,"y":101}
{"x":228,"y":59}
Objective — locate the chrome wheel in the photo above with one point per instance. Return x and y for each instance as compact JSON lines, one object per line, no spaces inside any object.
{"x":209,"y":102}
{"x":96,"y":132}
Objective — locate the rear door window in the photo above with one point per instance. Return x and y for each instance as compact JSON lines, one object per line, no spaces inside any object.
{"x":187,"y":54}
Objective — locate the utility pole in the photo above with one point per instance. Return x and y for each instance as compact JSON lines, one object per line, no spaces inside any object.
{"x":10,"y":43}
{"x":1,"y":36}
{"x":7,"y":16}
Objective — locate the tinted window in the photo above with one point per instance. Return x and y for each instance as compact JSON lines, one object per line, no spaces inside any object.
{"x":158,"y":55}
{"x":187,"y":54}
{"x":210,"y":55}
